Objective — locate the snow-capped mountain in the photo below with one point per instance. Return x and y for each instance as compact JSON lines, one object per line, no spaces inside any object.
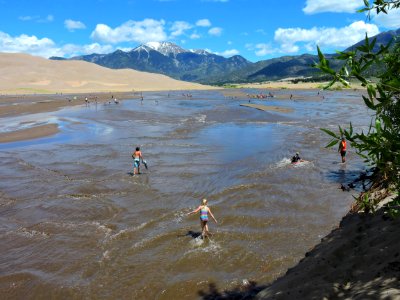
{"x":166,"y":48}
{"x":169,"y":59}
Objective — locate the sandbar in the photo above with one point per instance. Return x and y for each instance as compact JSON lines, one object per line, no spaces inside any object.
{"x":268,"y":108}
{"x":29,"y":133}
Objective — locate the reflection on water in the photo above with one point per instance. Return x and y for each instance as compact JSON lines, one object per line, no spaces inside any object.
{"x":74,"y":223}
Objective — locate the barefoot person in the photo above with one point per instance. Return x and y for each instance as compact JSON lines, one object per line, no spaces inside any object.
{"x":204,"y":210}
{"x":137,"y":156}
{"x":342,"y":149}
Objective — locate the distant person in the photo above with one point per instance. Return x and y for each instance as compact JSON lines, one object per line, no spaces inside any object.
{"x":342,"y":149}
{"x":204,"y":210}
{"x":296,"y":158}
{"x":137,"y":157}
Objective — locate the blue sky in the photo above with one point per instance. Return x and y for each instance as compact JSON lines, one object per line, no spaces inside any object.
{"x":255,"y":29}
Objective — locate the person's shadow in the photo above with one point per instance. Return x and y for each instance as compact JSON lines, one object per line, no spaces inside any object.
{"x":193,"y":234}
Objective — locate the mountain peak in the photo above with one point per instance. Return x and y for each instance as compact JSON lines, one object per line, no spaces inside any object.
{"x":166,"y":48}
{"x":200,"y":51}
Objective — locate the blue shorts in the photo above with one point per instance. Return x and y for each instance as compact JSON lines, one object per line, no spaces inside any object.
{"x":136,"y":163}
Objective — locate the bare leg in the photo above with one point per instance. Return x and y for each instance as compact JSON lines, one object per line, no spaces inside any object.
{"x":203,"y":228}
{"x":206,"y":230}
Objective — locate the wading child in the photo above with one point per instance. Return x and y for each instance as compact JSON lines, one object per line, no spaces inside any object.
{"x":204,"y":210}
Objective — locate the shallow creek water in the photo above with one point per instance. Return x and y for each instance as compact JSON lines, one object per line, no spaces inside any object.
{"x":74,"y":222}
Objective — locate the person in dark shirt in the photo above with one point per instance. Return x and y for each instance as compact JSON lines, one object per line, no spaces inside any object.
{"x":296,"y":158}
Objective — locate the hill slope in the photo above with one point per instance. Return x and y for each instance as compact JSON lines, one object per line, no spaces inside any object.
{"x":23,"y":73}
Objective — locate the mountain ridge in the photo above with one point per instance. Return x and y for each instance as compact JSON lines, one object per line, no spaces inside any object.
{"x":204,"y":67}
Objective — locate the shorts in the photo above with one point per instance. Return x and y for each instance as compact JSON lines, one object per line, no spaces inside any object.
{"x":204,"y":219}
{"x":136,"y":163}
{"x":343,"y":153}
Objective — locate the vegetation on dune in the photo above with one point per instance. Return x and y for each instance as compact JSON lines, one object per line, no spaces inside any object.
{"x":380,"y":146}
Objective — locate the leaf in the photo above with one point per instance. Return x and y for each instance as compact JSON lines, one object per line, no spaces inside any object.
{"x":332,"y":143}
{"x":369,"y":103}
{"x":378,"y":125}
{"x":371,"y":91}
{"x":341,"y":131}
{"x":331,"y":133}
{"x":320,"y":55}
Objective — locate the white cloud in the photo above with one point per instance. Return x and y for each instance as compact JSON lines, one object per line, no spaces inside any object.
{"x":26,"y":44}
{"x":228,"y":53}
{"x":28,"y":18}
{"x":72,"y":25}
{"x":49,"y":18}
{"x":203,"y":23}
{"x":338,"y":6}
{"x":290,"y":39}
{"x":261,"y":31}
{"x":390,"y":20}
{"x":38,"y":19}
{"x":215,"y":31}
{"x":70,"y":50}
{"x":179,"y":27}
{"x":45,"y":47}
{"x":263,"y":49}
{"x":148,"y":30}
{"x":194,"y":36}
{"x":96,"y":48}
{"x":290,"y":48}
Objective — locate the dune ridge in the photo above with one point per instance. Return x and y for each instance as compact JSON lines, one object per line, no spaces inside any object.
{"x":27,"y":74}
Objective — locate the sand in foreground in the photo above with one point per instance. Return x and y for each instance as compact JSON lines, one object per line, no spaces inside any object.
{"x":358,"y":260}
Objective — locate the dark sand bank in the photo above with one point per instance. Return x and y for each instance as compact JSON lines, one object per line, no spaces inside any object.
{"x":358,"y":260}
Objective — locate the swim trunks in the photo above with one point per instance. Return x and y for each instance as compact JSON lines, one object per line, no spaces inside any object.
{"x":136,"y":163}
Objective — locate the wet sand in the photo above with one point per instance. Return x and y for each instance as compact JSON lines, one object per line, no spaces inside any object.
{"x":268,"y":108}
{"x":358,"y":260}
{"x":29,"y":133}
{"x":19,"y":105}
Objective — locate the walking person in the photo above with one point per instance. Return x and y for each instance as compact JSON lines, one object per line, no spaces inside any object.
{"x":204,"y":211}
{"x":137,"y":157}
{"x":342,"y":149}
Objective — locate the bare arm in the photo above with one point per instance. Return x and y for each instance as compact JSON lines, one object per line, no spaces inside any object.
{"x":194,"y":211}
{"x":209,"y":210}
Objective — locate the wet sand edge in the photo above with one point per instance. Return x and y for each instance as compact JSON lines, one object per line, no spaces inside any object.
{"x":360,"y":258}
{"x":29,"y":133}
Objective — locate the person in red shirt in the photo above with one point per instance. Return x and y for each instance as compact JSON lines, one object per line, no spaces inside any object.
{"x":342,"y":149}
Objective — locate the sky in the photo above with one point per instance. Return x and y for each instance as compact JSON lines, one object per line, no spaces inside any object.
{"x":255,"y":29}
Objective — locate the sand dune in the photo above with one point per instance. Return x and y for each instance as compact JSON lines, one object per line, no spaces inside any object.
{"x":26,"y":74}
